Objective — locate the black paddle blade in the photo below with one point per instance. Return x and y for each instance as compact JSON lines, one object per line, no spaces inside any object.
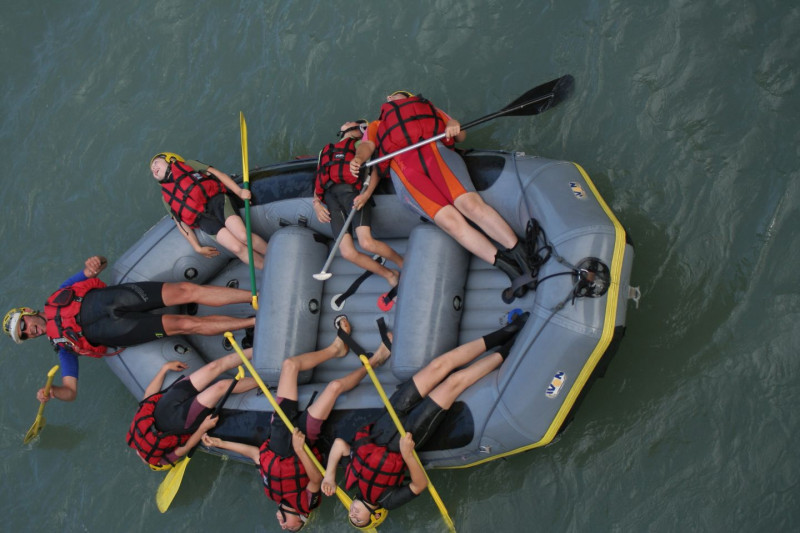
{"x":541,"y":98}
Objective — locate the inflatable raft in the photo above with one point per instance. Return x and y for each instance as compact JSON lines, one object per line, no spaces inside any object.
{"x":446,"y":297}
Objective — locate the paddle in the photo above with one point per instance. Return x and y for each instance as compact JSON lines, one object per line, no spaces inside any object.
{"x":324,"y":274}
{"x":393,"y":414}
{"x":40,"y":421}
{"x":246,"y":175}
{"x":172,"y":482}
{"x":535,"y":101}
{"x":340,"y":493}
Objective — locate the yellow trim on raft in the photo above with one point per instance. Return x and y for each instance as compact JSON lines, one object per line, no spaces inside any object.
{"x":602,"y":344}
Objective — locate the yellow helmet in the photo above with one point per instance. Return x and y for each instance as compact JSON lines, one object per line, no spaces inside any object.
{"x":169,"y":156}
{"x":11,"y":321}
{"x":407,"y":94}
{"x":376,"y":518}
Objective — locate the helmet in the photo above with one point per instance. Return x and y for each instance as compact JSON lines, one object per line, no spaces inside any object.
{"x":376,"y":518}
{"x":11,"y":321}
{"x":361,"y":124}
{"x":169,"y":156}
{"x":404,"y":93}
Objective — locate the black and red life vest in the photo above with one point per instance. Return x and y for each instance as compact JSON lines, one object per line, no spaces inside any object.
{"x":187,"y":191}
{"x":62,"y":311}
{"x":334,"y":165}
{"x":375,"y":468}
{"x":285,"y":478}
{"x":405,"y":122}
{"x":143,"y":436}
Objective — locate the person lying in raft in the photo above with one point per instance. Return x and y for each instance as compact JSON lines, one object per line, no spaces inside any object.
{"x":380,"y":456}
{"x":336,"y":191}
{"x":199,"y":196}
{"x":84,"y":317}
{"x":436,"y":178}
{"x":290,"y":477}
{"x":170,"y":422}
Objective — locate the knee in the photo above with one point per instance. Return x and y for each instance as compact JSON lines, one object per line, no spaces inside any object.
{"x":348,"y":251}
{"x":185,"y":324}
{"x":183,"y":290}
{"x":219,"y":388}
{"x":438,"y":365}
{"x":335,"y":387}
{"x":290,"y":366}
{"x":471,"y":204}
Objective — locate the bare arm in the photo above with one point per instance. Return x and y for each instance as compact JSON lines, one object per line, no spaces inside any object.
{"x":228,"y":182}
{"x":94,"y":265}
{"x":314,"y":477}
{"x":339,"y":449}
{"x":66,"y":392}
{"x":208,"y":424}
{"x":237,"y":447}
{"x":364,"y":151}
{"x":157,"y":383}
{"x":419,"y":481}
{"x":188,"y":233}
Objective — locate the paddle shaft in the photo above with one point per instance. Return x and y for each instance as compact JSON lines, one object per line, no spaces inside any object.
{"x":486,"y":118}
{"x":47,"y":386}
{"x":434,"y":493}
{"x":339,"y":492}
{"x":172,"y":481}
{"x":246,"y":177}
{"x":324,"y":272}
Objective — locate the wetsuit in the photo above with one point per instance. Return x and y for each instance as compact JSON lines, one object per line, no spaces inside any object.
{"x":115,"y":316}
{"x":433,"y":175}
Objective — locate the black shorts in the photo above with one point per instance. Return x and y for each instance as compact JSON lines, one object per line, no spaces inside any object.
{"x":218,"y":209}
{"x":280,"y":439}
{"x":173,"y":408}
{"x":339,"y":200}
{"x":419,"y":416}
{"x":118,"y":315}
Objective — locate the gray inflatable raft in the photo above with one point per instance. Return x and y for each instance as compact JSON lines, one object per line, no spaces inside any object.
{"x":445,"y":297}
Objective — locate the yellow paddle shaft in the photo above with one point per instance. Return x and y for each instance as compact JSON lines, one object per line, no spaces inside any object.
{"x":343,"y":497}
{"x":399,"y":426}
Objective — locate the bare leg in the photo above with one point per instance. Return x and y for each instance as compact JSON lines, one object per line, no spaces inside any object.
{"x":323,"y":406}
{"x":184,"y":292}
{"x":349,"y":252}
{"x":454,"y":224}
{"x":438,"y":369}
{"x":203,"y":376}
{"x":446,"y":392}
{"x":287,"y":384}
{"x":374,"y":246}
{"x":204,"y":325}
{"x":237,"y":227}
{"x":473,"y":207}
{"x":239,"y":248}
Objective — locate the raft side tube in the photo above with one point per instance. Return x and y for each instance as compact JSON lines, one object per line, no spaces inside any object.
{"x":289,"y":301}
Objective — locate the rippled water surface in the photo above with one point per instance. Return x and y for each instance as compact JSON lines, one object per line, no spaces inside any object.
{"x":684,"y":114}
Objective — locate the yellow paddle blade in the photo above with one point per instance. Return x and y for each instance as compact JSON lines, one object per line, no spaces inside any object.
{"x":40,"y":421}
{"x":169,"y":487}
{"x":37,"y":426}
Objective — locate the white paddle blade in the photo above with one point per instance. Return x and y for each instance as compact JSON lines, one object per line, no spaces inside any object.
{"x":322,"y":276}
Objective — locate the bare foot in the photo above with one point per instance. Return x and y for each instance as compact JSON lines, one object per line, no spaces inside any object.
{"x":394,"y":277}
{"x":381,"y":355}
{"x":342,"y":323}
